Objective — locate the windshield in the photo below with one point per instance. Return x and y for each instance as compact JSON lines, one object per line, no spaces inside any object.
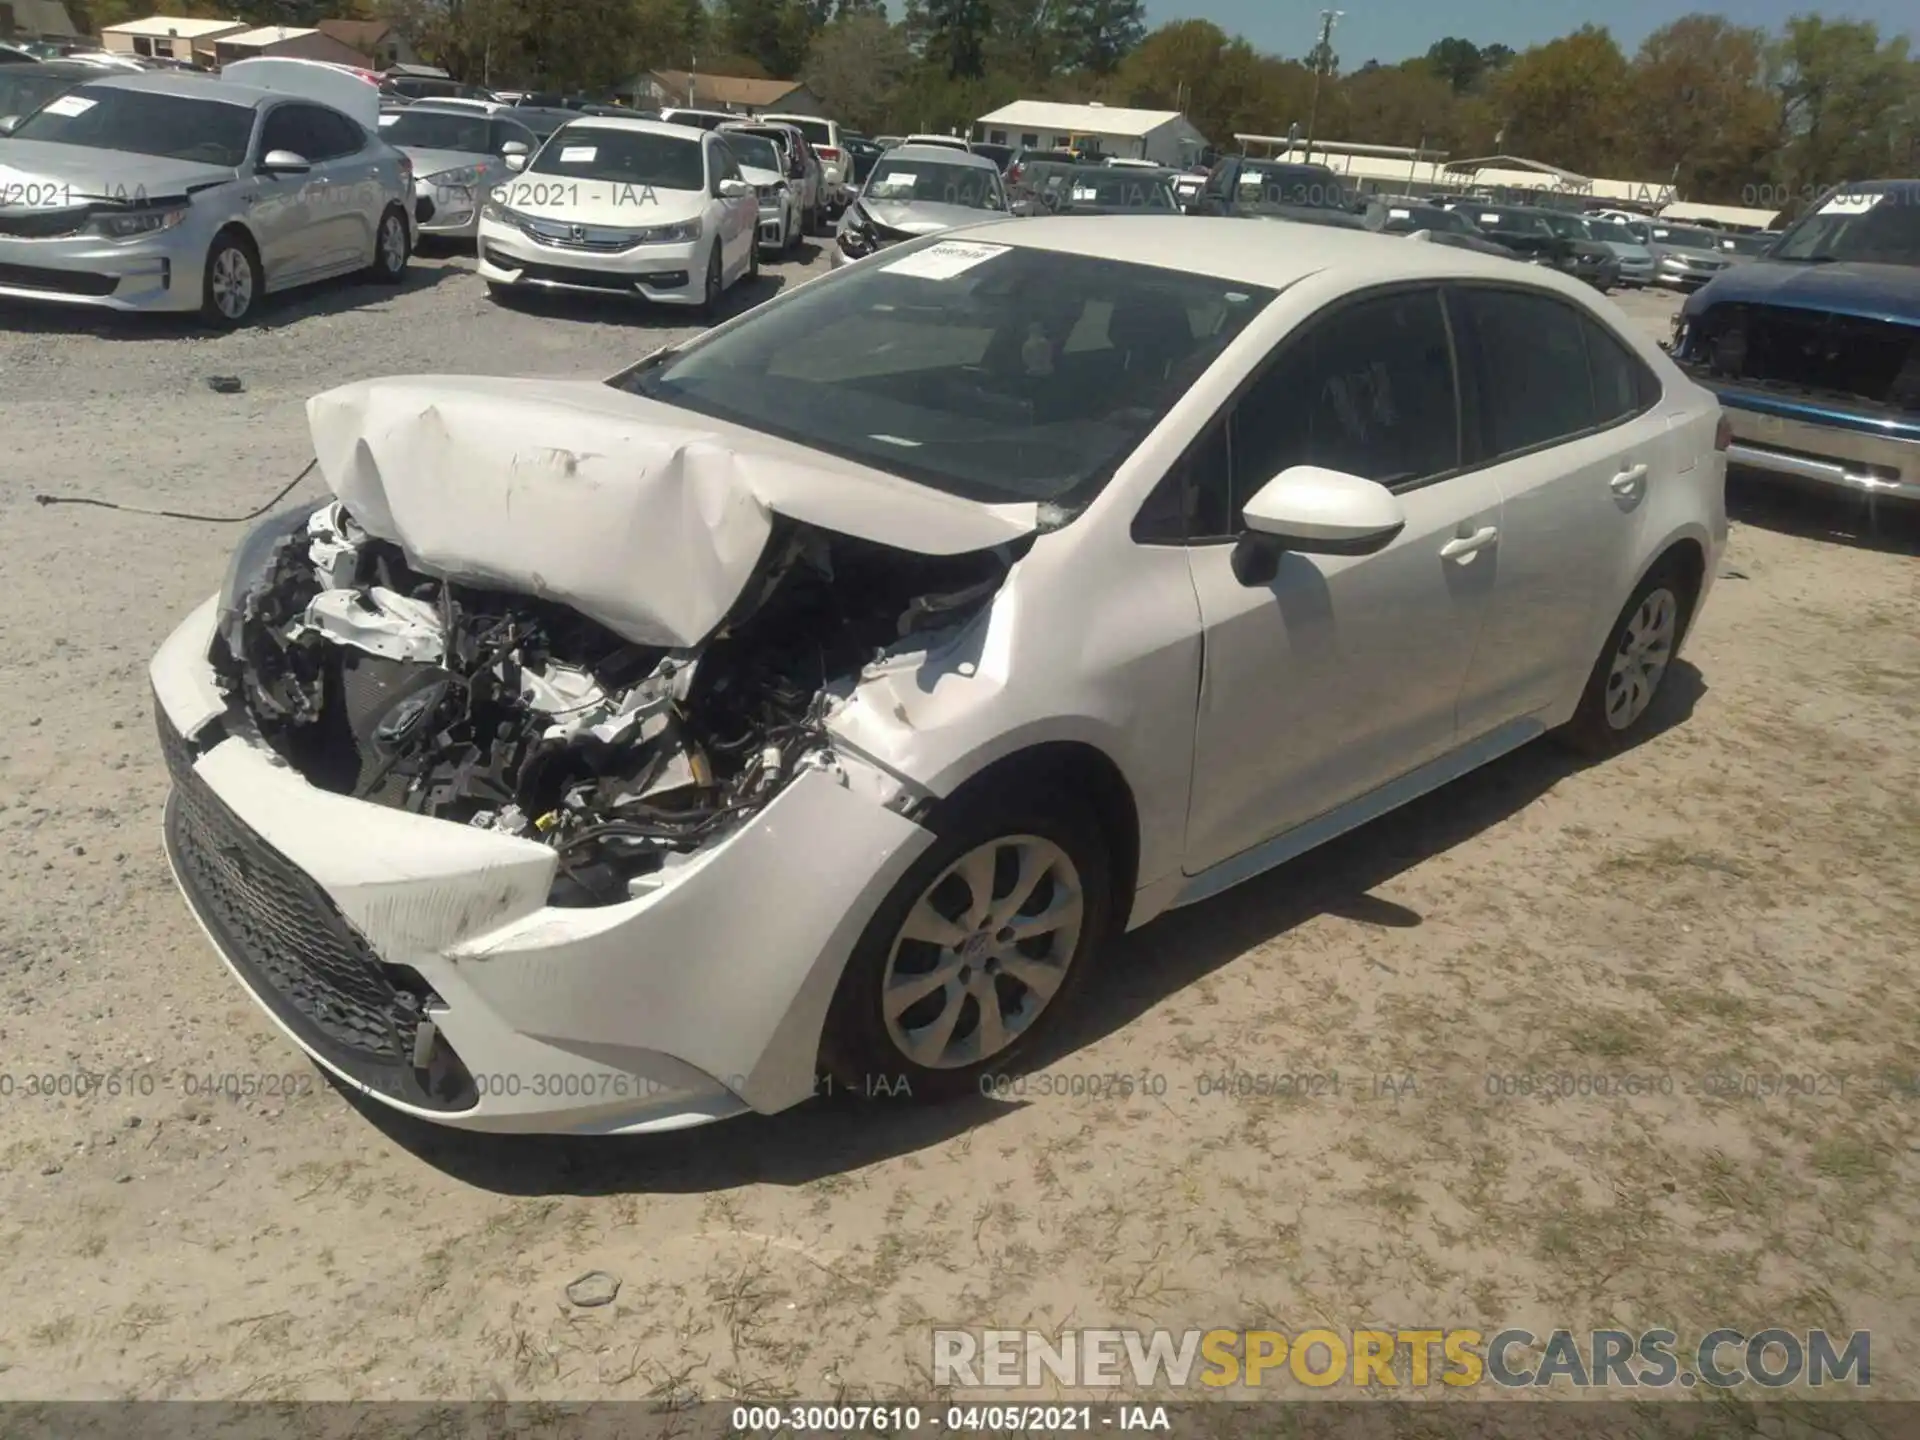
{"x":1405,"y":219}
{"x":1611,"y":231}
{"x":438,"y":130}
{"x":1685,"y":239}
{"x":1877,"y":227}
{"x":997,"y":373}
{"x":25,"y":88}
{"x":1567,"y":227}
{"x":1261,"y":187}
{"x":623,"y":157}
{"x":145,"y":122}
{"x":1512,"y":221}
{"x":1746,"y":244}
{"x":1117,"y":190}
{"x":934,"y":182}
{"x":999,"y":154}
{"x":756,"y":151}
{"x":818,"y":132}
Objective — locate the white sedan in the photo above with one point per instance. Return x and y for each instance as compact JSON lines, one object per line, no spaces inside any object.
{"x":826,"y":694}
{"x":629,"y":207}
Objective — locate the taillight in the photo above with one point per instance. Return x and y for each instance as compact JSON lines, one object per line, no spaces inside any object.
{"x":828,"y":152}
{"x":1723,"y":434}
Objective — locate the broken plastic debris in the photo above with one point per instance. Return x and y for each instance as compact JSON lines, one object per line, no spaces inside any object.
{"x":225,"y":384}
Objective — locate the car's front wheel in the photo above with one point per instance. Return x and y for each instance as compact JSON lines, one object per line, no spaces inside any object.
{"x":1627,"y":678}
{"x":714,"y":287}
{"x":231,"y":287}
{"x":982,"y":944}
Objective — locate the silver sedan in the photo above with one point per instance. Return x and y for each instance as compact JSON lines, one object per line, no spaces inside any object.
{"x":175,"y":192}
{"x":459,"y":155}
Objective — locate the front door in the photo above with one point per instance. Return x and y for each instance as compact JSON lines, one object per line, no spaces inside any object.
{"x":1344,"y":672}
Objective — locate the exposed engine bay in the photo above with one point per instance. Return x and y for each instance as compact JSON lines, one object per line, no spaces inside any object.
{"x":1805,"y":350}
{"x":519,"y":714}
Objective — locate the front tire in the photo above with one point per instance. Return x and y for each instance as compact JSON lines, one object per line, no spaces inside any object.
{"x":982,"y":945}
{"x":714,"y":288}
{"x":231,"y":288}
{"x":1617,"y":705}
{"x":392,"y":247}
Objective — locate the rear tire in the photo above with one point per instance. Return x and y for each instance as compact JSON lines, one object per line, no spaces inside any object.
{"x":392,"y":248}
{"x":1626,"y":680}
{"x":910,"y":1018}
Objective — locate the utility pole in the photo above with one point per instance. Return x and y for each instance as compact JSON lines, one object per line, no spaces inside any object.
{"x":1320,"y":54}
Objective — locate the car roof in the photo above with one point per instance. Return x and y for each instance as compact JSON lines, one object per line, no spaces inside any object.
{"x":636,"y":126}
{"x":457,"y":104}
{"x":1271,"y":253}
{"x":944,"y":154}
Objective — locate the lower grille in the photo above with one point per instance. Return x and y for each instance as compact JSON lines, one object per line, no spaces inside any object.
{"x":1813,"y":351}
{"x":296,"y":950}
{"x":57,"y":282}
{"x":565,"y":274}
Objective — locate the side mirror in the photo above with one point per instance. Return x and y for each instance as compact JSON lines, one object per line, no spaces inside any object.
{"x":734,"y":189}
{"x":514,"y":161}
{"x":512,"y":148}
{"x":7,"y":123}
{"x":1314,"y":511}
{"x":284,"y":162}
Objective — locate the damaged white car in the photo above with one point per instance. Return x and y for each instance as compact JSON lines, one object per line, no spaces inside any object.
{"x":823,"y":695}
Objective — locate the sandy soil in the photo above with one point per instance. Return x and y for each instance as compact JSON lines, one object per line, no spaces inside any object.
{"x":1736,"y":898}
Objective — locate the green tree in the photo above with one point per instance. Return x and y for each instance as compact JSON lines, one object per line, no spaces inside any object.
{"x":856,"y":66}
{"x":1394,"y":105}
{"x":1847,"y":102}
{"x":1564,"y":101}
{"x":1456,"y":61}
{"x":1703,"y":111}
{"x":956,"y":36}
{"x":1096,"y":35}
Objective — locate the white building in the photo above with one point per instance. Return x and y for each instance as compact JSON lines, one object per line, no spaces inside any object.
{"x":1163,"y":136}
{"x":1402,"y":167}
{"x":169,"y":37}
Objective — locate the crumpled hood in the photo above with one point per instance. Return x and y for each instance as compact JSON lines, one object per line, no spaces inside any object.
{"x":644,"y":517}
{"x":82,"y":173}
{"x":594,"y":202}
{"x":923,"y":217}
{"x":1874,"y":292}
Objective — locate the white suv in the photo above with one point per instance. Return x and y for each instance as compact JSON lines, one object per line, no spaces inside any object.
{"x":824,"y":137}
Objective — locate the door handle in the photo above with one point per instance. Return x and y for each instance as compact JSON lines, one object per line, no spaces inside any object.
{"x":1462,"y":546}
{"x":1629,"y":481}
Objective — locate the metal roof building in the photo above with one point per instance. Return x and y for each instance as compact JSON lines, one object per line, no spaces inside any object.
{"x":1164,"y":136}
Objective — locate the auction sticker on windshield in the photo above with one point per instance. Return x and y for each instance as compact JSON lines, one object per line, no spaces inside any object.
{"x":70,"y":105}
{"x":1838,"y":205}
{"x":945,"y":260}
{"x":578,"y":154}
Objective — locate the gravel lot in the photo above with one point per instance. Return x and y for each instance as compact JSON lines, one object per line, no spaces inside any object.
{"x":1733,"y":902}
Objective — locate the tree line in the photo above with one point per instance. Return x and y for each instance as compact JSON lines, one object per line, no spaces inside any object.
{"x":1727,"y":112}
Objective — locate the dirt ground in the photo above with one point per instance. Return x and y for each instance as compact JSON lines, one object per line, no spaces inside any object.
{"x":1732,"y":904}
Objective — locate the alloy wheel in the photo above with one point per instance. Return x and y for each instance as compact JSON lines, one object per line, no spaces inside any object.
{"x":982,"y":952}
{"x":1646,"y":648}
{"x":232,"y":282}
{"x":393,"y":244}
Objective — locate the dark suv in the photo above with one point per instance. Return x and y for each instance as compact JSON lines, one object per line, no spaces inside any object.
{"x":1272,"y":189}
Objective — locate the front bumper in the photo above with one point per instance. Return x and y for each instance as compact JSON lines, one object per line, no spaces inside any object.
{"x":1682,"y":279}
{"x":352,"y":923}
{"x":1828,"y":447}
{"x":670,"y":274}
{"x":165,"y":272}
{"x":448,"y":212}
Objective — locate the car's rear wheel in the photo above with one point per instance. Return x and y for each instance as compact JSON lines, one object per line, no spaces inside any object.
{"x":981,"y":945}
{"x":1618,"y":703}
{"x":392,"y":246}
{"x":232,"y":285}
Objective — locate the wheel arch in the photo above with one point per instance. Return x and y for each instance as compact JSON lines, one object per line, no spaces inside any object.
{"x":1081,"y":769}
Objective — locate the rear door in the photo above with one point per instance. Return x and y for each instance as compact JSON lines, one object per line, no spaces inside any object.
{"x":1566,"y":418}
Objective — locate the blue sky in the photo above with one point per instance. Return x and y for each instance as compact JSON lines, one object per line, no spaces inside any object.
{"x":1391,"y":30}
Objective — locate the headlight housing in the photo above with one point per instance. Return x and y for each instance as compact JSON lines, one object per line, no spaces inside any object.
{"x":677,"y":234}
{"x":251,"y":561}
{"x":126,"y":224}
{"x":464,"y":175}
{"x":493,"y":210}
